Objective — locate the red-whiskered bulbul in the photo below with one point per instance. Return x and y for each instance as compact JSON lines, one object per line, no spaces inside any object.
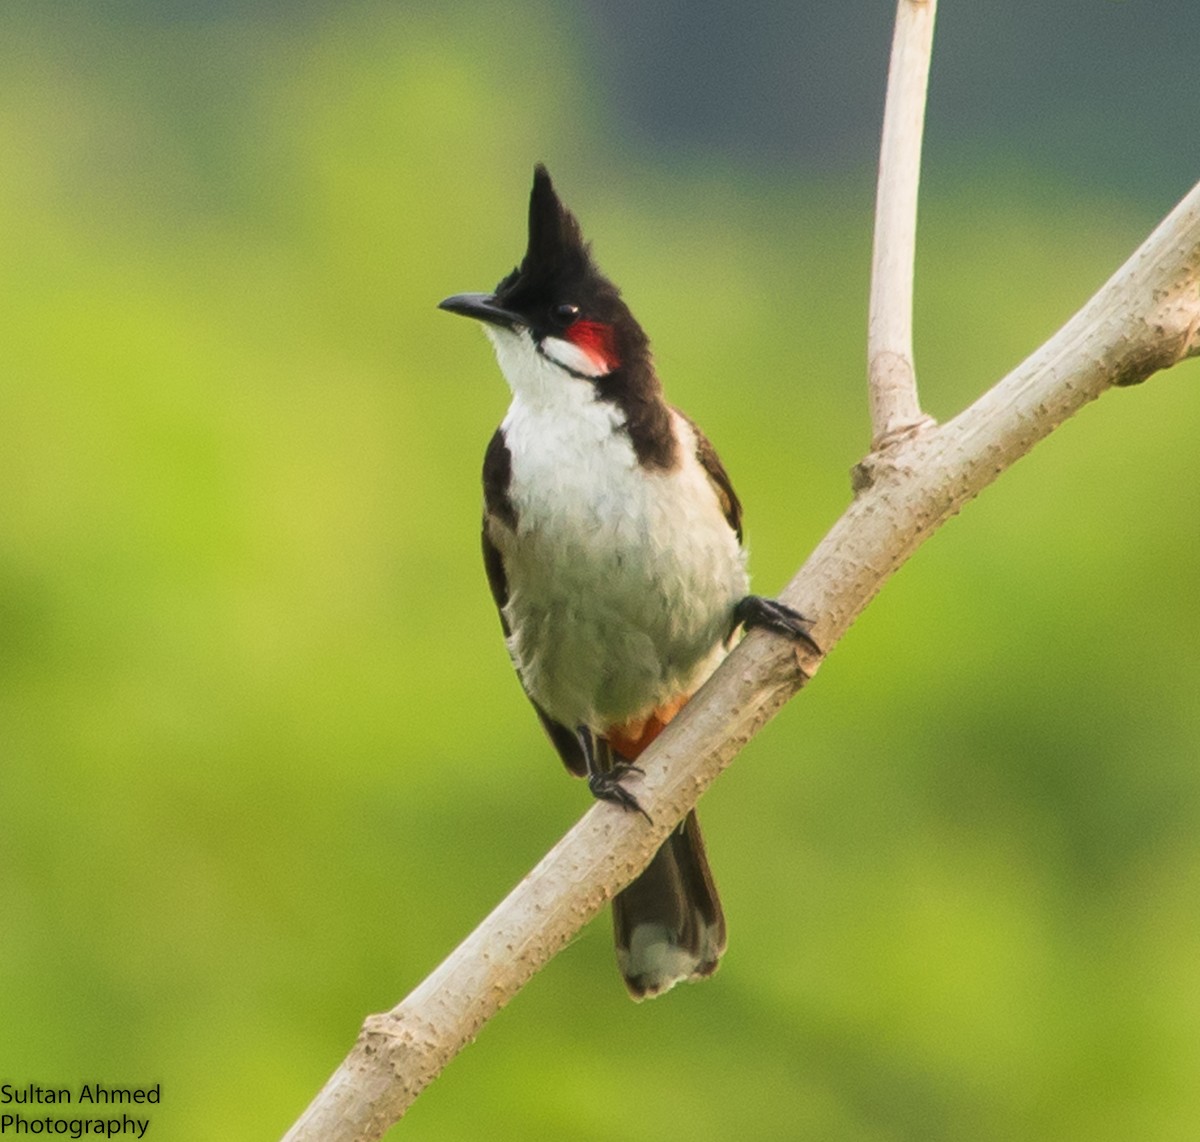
{"x":612,"y":540}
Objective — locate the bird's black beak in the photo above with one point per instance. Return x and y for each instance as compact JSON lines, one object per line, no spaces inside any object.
{"x":482,"y":307}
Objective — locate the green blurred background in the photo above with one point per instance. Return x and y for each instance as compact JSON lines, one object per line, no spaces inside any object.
{"x":262,"y":758}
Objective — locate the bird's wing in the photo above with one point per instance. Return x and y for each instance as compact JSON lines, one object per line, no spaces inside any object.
{"x":497,"y":470}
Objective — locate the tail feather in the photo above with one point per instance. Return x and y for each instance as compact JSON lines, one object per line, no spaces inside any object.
{"x":668,"y":924}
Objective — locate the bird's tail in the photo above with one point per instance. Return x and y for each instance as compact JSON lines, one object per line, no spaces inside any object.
{"x":668,"y":924}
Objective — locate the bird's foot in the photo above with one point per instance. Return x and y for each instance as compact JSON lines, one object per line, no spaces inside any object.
{"x":607,"y":786}
{"x":771,"y":614}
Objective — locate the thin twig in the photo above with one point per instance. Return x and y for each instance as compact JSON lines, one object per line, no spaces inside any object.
{"x":891,"y":374}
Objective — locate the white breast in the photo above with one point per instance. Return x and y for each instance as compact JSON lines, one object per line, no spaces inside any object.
{"x":621,"y":581}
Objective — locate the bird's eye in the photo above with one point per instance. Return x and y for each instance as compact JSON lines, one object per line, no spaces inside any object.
{"x":566,"y":313}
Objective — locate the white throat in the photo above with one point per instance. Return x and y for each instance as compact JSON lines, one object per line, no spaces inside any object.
{"x":559,"y":377}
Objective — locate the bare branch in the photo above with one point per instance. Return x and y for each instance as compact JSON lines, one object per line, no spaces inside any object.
{"x":891,"y":374}
{"x":1146,"y":318}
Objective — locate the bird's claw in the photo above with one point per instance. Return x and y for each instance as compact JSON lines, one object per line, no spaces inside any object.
{"x":771,"y":614}
{"x":607,"y":787}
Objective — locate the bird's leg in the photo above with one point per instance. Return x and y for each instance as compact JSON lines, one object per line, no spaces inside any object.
{"x":772,"y":615}
{"x":605,"y":771}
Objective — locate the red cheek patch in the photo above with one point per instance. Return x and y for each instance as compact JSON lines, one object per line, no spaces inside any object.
{"x":597,"y":340}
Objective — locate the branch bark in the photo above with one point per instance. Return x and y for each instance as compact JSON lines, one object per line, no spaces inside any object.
{"x":1146,"y":318}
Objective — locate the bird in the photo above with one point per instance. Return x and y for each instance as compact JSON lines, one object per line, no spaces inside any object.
{"x":613,"y":545}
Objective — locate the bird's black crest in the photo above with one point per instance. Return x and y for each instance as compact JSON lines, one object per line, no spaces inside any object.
{"x":557,"y":260}
{"x":555,"y":240}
